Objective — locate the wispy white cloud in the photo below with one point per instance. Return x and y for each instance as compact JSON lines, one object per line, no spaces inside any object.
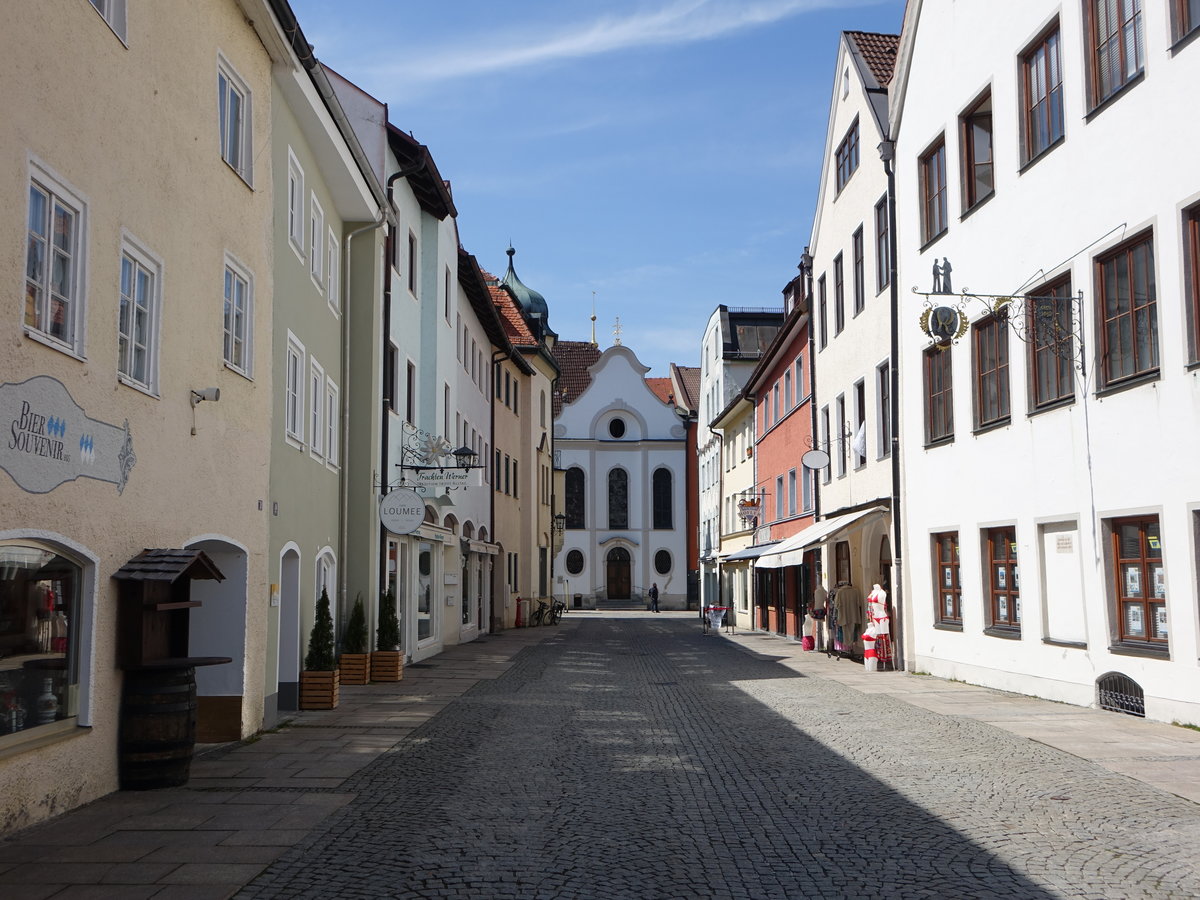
{"x":676,"y":22}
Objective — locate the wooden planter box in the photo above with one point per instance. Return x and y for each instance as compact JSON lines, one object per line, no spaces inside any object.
{"x":387,"y":665}
{"x":319,"y":690}
{"x":355,"y":668}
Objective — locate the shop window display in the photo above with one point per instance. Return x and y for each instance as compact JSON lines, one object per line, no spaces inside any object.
{"x":39,"y":611}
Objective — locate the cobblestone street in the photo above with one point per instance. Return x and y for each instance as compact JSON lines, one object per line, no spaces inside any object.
{"x":637,"y":757}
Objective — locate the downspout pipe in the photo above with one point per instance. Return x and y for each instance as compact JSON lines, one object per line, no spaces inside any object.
{"x":887,"y":152}
{"x":343,"y":480}
{"x":497,"y":356}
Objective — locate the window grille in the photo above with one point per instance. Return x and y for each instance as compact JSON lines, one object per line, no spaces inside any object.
{"x":1120,"y":693}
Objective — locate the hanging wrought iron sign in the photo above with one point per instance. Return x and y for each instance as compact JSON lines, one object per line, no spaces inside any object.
{"x":943,"y":324}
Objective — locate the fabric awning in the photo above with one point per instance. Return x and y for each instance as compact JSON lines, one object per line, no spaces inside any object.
{"x":790,"y":552}
{"x":751,"y":552}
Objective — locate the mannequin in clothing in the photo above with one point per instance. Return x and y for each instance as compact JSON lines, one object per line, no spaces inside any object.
{"x":877,"y":609}
{"x":849,"y":613}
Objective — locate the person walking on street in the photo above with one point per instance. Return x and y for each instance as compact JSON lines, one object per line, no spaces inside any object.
{"x":653,"y":595}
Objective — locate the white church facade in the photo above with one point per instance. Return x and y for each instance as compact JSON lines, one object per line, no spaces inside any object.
{"x":622,"y":448}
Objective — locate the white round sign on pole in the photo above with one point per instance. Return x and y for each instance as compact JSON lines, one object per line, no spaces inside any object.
{"x":402,"y":511}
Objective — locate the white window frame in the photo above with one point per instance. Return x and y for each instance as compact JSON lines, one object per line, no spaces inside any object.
{"x":239,"y":146}
{"x":325,"y":575}
{"x":842,"y":449}
{"x":883,"y":409}
{"x":414,"y":252}
{"x":332,"y":424}
{"x":240,"y":273}
{"x":333,"y":273}
{"x":791,"y":492}
{"x":316,"y":409}
{"x":295,"y":205}
{"x":114,"y":14}
{"x":58,"y":193}
{"x":293,"y":391}
{"x":138,"y":256}
{"x":316,"y":237}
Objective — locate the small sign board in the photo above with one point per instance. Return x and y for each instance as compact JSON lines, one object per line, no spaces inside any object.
{"x":49,"y":439}
{"x":402,"y":511}
{"x":450,"y":477}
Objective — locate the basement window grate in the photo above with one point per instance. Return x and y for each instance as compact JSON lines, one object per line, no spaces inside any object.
{"x":1120,"y":693}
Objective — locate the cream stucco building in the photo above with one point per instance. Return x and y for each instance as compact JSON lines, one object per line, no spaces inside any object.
{"x":147,"y":276}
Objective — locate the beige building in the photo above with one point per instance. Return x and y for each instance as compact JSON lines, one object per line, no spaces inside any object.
{"x":533,"y":466}
{"x":136,"y":222}
{"x":510,"y":374}
{"x":741,"y":508}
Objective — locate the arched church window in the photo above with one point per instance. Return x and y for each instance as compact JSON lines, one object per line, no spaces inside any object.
{"x":574,"y":504}
{"x":618,"y":499}
{"x":662,"y":488}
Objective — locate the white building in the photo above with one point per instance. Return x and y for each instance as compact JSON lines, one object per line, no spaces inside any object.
{"x":623,"y":450}
{"x":1052,"y":499}
{"x":733,"y":343}
{"x":850,"y":271}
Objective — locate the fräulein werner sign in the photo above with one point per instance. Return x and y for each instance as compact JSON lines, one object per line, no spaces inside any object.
{"x":49,"y":440}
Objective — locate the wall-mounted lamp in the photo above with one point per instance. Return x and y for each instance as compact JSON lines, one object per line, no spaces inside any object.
{"x":213,"y":394}
{"x":560,"y":523}
{"x":466,"y":457}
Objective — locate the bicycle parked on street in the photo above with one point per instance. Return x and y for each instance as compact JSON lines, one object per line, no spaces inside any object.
{"x":547,"y":614}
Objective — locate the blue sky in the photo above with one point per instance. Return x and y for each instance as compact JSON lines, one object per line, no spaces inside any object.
{"x":663,"y":154}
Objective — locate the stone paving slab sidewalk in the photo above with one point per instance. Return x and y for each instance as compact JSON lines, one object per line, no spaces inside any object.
{"x":245,"y":803}
{"x":1162,"y":755}
{"x":248,"y":803}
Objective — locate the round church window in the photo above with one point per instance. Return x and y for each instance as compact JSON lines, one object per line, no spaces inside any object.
{"x":616,"y":428}
{"x":574,"y":562}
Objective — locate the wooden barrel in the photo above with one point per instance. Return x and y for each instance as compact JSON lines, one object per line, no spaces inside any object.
{"x":158,"y":728}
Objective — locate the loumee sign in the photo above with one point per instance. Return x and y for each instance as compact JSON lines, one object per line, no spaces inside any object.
{"x":48,"y":439}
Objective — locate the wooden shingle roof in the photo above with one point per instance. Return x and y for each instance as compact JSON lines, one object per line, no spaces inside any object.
{"x":169,"y":565}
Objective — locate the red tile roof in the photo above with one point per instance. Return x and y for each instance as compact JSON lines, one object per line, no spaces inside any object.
{"x":514,"y":323}
{"x":662,"y":389}
{"x":879,"y":52}
{"x":574,"y":358}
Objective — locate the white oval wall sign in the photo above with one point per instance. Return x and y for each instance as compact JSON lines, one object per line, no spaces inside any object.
{"x":815,"y":459}
{"x":402,"y":511}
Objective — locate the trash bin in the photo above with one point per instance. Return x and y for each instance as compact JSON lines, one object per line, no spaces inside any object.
{"x":578,"y":604}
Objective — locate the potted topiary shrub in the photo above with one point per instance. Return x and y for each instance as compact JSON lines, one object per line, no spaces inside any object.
{"x":355,"y":661}
{"x":387,"y":659}
{"x":319,"y":680}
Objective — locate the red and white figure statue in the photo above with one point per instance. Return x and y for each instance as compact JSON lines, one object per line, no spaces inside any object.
{"x":880,"y":626}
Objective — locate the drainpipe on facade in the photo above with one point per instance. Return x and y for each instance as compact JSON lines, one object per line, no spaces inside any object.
{"x":887,"y":152}
{"x":497,"y":356}
{"x":343,"y":539}
{"x":720,"y":513}
{"x":553,"y":502}
{"x":806,"y":264}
